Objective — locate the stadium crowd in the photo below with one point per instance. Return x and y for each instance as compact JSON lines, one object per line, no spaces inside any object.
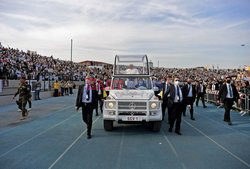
{"x":15,"y":63}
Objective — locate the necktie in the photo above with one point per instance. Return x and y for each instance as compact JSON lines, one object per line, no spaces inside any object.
{"x":178,"y":93}
{"x":230,"y":91}
{"x":88,"y":92}
{"x":189,"y":88}
{"x":166,"y":88}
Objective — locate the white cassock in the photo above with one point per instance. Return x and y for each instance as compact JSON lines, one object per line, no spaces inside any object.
{"x":131,"y":71}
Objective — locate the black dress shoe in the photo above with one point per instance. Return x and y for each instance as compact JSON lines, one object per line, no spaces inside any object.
{"x":230,"y":123}
{"x":89,"y":137}
{"x":96,"y":114}
{"x":177,"y":132}
{"x":170,"y":130}
{"x":204,"y":106}
{"x":192,"y":118}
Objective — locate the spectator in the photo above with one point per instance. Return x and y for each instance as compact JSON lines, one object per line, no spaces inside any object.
{"x":56,"y":88}
{"x":62,"y":87}
{"x":37,"y":90}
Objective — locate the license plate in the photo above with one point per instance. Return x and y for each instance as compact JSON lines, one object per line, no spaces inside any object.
{"x":132,"y":118}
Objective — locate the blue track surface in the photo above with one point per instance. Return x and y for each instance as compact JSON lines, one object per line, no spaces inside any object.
{"x":55,"y":137}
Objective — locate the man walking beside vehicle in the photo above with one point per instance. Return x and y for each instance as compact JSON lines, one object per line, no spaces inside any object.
{"x":175,"y":106}
{"x":201,"y":91}
{"x":166,"y":88}
{"x":189,"y":93}
{"x":86,"y":99}
{"x":227,"y":95}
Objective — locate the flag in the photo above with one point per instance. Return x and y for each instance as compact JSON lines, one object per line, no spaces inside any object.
{"x":161,"y":94}
{"x":104,"y":94}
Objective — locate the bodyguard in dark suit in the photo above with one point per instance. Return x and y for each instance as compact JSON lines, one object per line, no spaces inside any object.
{"x":175,"y":106}
{"x":86,"y":98}
{"x":227,"y":95}
{"x":166,"y":88}
{"x":201,"y":91}
{"x":189,"y":94}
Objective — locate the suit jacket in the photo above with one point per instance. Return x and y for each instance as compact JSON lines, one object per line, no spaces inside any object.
{"x":223,"y":93}
{"x":80,"y":95}
{"x":165,"y":96}
{"x":198,"y":89}
{"x":171,"y":98}
{"x":185,"y":92}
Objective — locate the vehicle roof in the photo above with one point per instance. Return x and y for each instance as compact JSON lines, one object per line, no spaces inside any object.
{"x":130,"y":58}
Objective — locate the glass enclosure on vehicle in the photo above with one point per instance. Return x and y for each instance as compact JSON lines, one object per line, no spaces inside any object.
{"x":132,"y":83}
{"x":131,"y":65}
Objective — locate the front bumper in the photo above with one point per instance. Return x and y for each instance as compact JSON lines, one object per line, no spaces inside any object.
{"x":145,"y":114}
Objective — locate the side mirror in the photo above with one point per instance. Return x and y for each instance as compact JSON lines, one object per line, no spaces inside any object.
{"x":156,"y":89}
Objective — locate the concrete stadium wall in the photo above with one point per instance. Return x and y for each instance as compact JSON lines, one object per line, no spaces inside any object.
{"x":5,"y":100}
{"x":13,"y":85}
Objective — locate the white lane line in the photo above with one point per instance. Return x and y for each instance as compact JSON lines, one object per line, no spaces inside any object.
{"x":222,"y":147}
{"x":32,"y":138}
{"x":70,"y":146}
{"x":226,"y":126}
{"x":173,"y":149}
{"x":5,"y":131}
{"x":120,"y":150}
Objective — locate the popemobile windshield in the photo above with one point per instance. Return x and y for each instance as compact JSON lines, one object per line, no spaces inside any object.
{"x":131,"y":97}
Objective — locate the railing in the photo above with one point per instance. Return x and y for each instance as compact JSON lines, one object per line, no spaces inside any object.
{"x":243,"y":105}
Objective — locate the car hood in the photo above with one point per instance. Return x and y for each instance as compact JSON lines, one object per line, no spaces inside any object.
{"x":132,"y":94}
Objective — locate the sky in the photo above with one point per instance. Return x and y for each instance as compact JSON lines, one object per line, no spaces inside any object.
{"x":177,"y":33}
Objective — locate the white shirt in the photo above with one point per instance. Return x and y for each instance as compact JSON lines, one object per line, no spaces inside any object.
{"x":228,"y":91}
{"x":176,"y":95}
{"x":84,"y":96}
{"x":190,"y":92}
{"x":213,"y":87}
{"x":201,"y":88}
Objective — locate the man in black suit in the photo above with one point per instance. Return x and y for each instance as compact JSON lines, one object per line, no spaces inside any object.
{"x":189,"y":94}
{"x":175,"y":106}
{"x":166,"y":87}
{"x":227,"y":95}
{"x":86,"y":98}
{"x":201,"y":91}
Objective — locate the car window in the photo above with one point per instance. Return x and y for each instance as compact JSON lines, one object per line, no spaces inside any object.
{"x":132,"y":84}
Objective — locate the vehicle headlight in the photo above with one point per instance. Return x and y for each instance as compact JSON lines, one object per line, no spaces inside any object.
{"x":111,"y":105}
{"x":153,"y":105}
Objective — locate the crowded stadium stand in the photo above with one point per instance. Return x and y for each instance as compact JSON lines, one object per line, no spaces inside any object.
{"x":15,"y":63}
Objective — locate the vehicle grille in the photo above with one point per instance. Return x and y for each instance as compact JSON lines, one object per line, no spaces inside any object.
{"x":132,"y":106}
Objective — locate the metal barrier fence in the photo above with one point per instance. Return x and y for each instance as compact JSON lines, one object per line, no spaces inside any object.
{"x":243,"y":106}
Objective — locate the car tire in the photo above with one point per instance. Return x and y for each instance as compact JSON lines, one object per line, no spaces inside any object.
{"x":108,"y":125}
{"x":156,"y":126}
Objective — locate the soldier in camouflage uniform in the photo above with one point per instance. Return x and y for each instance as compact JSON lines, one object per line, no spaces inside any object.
{"x":24,"y":94}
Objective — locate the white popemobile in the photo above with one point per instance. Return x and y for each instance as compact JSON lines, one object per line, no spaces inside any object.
{"x":131,"y":94}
